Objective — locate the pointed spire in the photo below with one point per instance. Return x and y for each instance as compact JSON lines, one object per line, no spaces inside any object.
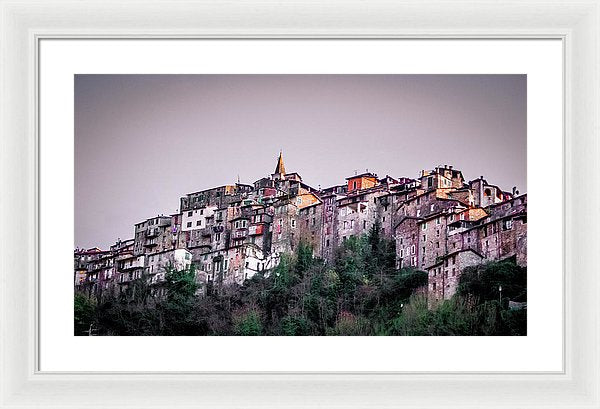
{"x":280,"y":169}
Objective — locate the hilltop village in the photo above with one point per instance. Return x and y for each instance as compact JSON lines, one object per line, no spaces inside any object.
{"x":440,"y":223}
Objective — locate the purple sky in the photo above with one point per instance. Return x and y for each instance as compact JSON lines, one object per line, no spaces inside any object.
{"x":143,"y":141}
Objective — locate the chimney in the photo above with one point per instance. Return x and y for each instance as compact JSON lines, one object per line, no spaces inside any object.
{"x":450,"y":167}
{"x":481,"y":177}
{"x":514,"y":190}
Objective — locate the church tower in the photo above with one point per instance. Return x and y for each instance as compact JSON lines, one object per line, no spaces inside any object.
{"x":279,"y":169}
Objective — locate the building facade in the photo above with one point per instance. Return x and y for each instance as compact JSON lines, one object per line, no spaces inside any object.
{"x":439,"y":223}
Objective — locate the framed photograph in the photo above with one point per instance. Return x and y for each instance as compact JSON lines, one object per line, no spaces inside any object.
{"x":382,"y":204}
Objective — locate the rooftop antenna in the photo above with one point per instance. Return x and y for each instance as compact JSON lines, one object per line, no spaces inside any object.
{"x":238,"y":179}
{"x":355,"y":172}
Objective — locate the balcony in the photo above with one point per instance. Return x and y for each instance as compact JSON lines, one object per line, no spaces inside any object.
{"x":240,"y":233}
{"x":150,"y":243}
{"x":132,"y":267}
{"x":153,"y":232}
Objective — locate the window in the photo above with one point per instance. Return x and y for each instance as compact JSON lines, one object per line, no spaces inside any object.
{"x":401,"y":253}
{"x":293,"y":223}
{"x":365,"y":226}
{"x":218,"y":237}
{"x":354,"y":185}
{"x":432,"y":207}
{"x":201,"y":211}
{"x":418,"y":213}
{"x":424,"y":237}
{"x":437,"y":221}
{"x":413,"y":249}
{"x":424,"y":226}
{"x":401,"y":239}
{"x":383,"y":218}
{"x":327,"y":243}
{"x":507,"y":224}
{"x":190,"y":214}
{"x":313,"y":221}
{"x":199,"y":222}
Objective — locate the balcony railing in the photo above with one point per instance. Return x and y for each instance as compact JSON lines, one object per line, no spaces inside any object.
{"x":152,"y":232}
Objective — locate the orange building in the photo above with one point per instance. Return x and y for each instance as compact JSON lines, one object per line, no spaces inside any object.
{"x":362,"y":181}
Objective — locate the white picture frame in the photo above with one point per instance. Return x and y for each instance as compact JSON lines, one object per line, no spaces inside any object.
{"x":25,"y":23}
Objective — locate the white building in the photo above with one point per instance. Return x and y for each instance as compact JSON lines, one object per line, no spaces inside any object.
{"x":196,"y":219}
{"x":157,"y":264}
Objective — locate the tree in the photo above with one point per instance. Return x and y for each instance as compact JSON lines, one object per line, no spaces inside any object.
{"x":84,"y":312}
{"x":483,"y":281}
{"x":178,"y":307}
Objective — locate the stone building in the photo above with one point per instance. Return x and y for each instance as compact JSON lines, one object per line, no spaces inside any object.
{"x":154,"y":235}
{"x":443,"y":276}
{"x":438,"y":222}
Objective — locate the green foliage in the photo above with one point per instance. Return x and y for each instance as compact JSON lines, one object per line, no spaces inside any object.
{"x":247,"y":323}
{"x":295,"y":326}
{"x":359,"y":293}
{"x":349,"y":324}
{"x":483,"y":281}
{"x":84,"y":310}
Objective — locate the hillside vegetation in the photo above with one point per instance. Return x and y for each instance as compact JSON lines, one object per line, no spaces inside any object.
{"x":359,"y":293}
